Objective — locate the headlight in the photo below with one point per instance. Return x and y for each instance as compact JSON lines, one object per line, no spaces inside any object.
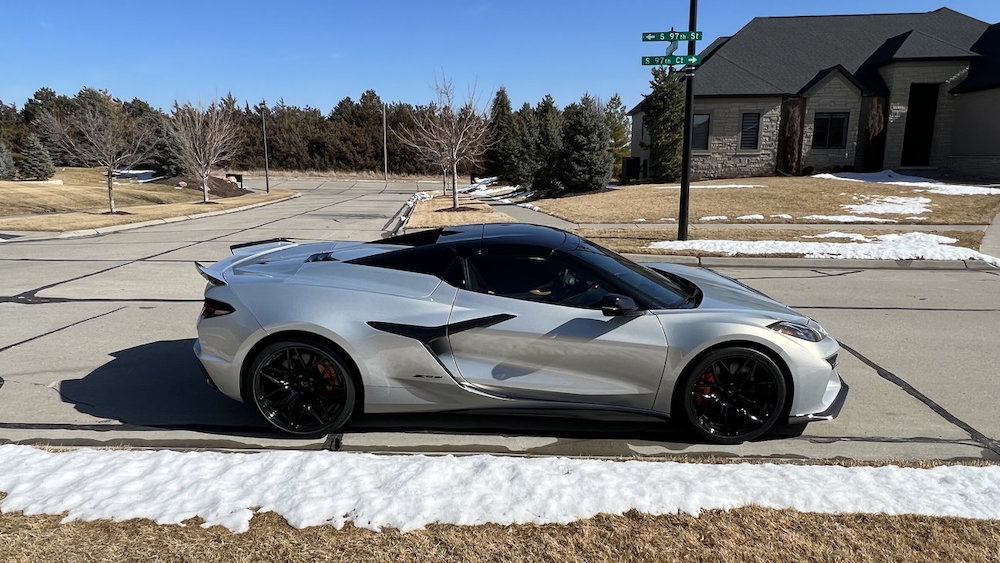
{"x":797,"y":330}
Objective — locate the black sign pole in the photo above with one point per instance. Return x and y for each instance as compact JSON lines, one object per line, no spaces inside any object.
{"x":682,"y":220}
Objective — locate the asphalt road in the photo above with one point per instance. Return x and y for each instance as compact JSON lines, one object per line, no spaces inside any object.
{"x":96,"y":336}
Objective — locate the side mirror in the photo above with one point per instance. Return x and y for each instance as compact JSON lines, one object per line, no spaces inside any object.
{"x":615,"y":305}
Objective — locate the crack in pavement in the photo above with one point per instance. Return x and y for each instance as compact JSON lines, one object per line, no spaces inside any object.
{"x":71,"y":325}
{"x":979,"y":437}
{"x":876,"y":308}
{"x":820,"y":275}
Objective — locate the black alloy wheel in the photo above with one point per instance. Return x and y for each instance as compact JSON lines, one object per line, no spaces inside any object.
{"x":302,"y":387}
{"x":732,"y":395}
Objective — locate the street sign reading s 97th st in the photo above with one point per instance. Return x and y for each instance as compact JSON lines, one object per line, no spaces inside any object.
{"x":672,"y":60}
{"x":672,"y":36}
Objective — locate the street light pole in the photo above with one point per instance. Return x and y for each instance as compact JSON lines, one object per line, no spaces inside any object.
{"x":385,"y":144}
{"x":685,"y":203}
{"x":263,"y":119}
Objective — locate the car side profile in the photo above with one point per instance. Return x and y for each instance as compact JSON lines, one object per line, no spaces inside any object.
{"x":504,"y":316}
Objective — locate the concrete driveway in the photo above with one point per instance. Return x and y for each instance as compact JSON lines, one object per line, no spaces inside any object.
{"x":96,"y":336}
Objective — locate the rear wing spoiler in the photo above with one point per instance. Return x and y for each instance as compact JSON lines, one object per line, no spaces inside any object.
{"x":242,"y":252}
{"x":247,"y":248}
{"x":208,"y":275}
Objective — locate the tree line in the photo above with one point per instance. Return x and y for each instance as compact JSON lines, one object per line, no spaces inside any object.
{"x":542,"y":146}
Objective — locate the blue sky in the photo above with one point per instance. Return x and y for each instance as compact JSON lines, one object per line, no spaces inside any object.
{"x":315,"y":53}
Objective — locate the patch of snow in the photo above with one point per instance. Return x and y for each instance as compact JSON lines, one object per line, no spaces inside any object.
{"x":529,"y":206}
{"x":896,"y":179}
{"x":838,"y":234}
{"x":714,"y":218}
{"x":895,"y":205}
{"x":667,"y":219}
{"x":781,"y":216}
{"x":411,"y":492}
{"x":713,"y":186}
{"x":750,"y":217}
{"x":848,"y":219}
{"x":639,"y":220}
{"x":917,"y":218}
{"x":907,"y":246}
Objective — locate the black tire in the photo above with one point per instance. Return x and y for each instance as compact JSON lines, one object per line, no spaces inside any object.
{"x":302,"y":387}
{"x":731,"y":395}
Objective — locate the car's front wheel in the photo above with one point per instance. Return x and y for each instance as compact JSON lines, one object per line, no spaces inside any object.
{"x":732,"y":395}
{"x":302,"y":387}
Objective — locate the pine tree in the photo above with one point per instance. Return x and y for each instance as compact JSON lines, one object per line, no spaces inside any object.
{"x":7,"y":170}
{"x":586,"y":158}
{"x":620,"y":126}
{"x":665,"y":122}
{"x":526,"y":131}
{"x":501,"y":154}
{"x":549,"y":144}
{"x":36,"y":164}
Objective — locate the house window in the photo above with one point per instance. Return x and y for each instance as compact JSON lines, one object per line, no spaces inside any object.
{"x":749,"y":131}
{"x":699,"y":133}
{"x":830,"y":130}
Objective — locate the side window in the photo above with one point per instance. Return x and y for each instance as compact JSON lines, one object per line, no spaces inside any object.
{"x":531,"y":278}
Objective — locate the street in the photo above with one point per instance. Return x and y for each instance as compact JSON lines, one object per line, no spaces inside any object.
{"x":96,"y":336}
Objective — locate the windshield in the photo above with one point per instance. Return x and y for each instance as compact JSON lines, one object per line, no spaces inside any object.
{"x":660,"y":291}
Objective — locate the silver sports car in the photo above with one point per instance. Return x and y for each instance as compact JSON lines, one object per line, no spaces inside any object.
{"x":504,"y":316}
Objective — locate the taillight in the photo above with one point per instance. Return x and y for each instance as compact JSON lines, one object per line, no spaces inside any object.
{"x":215,"y":308}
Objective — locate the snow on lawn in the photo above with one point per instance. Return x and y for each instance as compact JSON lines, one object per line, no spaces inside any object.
{"x":410,"y":492}
{"x":930,"y":186}
{"x":896,"y":205}
{"x":907,"y":246}
{"x":714,"y":218}
{"x":712,"y":186}
{"x":750,"y":217}
{"x":781,"y":216}
{"x":848,"y":219}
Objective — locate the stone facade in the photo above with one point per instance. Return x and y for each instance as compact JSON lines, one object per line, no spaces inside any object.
{"x":898,"y":76}
{"x":975,"y":144}
{"x":724,"y":158}
{"x":835,"y":93}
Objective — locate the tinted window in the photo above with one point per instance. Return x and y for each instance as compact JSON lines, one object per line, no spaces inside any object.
{"x":645,"y":285}
{"x":830,"y":130}
{"x":433,"y":260}
{"x":535,"y":278}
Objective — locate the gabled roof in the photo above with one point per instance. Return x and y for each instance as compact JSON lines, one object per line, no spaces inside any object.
{"x":984,"y":72}
{"x":780,"y":56}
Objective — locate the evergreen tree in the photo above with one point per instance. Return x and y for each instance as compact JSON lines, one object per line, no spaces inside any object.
{"x":664,"y":120}
{"x":586,"y":158}
{"x":549,"y":144}
{"x":7,"y":170}
{"x":526,"y":132}
{"x":620,"y":127}
{"x":36,"y":164}
{"x":502,"y":152}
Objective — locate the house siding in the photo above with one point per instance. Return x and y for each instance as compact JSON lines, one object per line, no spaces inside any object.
{"x":976,"y":150}
{"x":898,"y":77}
{"x":724,"y":158}
{"x":833,"y":94}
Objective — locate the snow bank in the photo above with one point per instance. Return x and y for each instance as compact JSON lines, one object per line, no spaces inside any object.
{"x":410,"y":492}
{"x":754,"y":217}
{"x":907,"y":246}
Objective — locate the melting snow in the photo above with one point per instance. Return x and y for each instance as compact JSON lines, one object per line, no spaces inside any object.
{"x":781,"y":216}
{"x":410,"y":492}
{"x":930,"y":186}
{"x":891,"y":205}
{"x":714,"y":218}
{"x":848,"y":219}
{"x":907,"y":246}
{"x":750,"y":217}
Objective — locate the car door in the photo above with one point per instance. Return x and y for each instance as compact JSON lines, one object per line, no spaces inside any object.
{"x":547,"y":338}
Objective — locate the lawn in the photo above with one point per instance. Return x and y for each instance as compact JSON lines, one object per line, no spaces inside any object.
{"x":81,"y":202}
{"x":798,"y":197}
{"x":438,"y":212}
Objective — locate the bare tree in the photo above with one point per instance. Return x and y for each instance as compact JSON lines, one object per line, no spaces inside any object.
{"x":205,"y":138}
{"x":446,"y":134}
{"x":102,"y":133}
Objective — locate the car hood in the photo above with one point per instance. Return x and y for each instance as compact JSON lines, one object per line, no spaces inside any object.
{"x":720,"y":292}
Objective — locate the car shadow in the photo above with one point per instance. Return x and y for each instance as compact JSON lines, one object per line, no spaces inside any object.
{"x":159,"y":385}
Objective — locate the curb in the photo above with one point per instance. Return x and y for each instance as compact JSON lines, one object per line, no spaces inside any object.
{"x":129,"y":226}
{"x":814,"y":263}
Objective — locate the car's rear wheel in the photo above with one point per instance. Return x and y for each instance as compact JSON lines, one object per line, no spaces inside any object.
{"x":732,"y":395}
{"x":302,"y":387}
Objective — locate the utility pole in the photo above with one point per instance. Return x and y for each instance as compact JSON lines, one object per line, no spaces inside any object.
{"x":263,"y":119}
{"x":385,"y":144}
{"x":685,"y":203}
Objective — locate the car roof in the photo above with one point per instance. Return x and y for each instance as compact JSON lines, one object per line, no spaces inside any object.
{"x":488,"y":235}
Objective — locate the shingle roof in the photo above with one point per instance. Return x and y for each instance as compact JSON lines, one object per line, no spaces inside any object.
{"x":780,"y":56}
{"x":984,"y":72}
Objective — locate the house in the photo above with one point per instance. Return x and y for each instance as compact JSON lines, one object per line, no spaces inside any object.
{"x":795,"y":94}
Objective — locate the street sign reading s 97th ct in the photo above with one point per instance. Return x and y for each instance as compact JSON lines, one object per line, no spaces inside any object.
{"x":672,"y":36}
{"x":672,"y":60}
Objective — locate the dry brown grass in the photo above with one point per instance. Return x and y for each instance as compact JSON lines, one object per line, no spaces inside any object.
{"x":438,"y":212}
{"x":745,"y":534}
{"x":96,"y":218}
{"x":636,"y":241}
{"x":796,"y":196}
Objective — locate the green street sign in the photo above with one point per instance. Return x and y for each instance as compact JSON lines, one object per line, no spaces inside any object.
{"x":672,"y":36}
{"x":672,"y":60}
